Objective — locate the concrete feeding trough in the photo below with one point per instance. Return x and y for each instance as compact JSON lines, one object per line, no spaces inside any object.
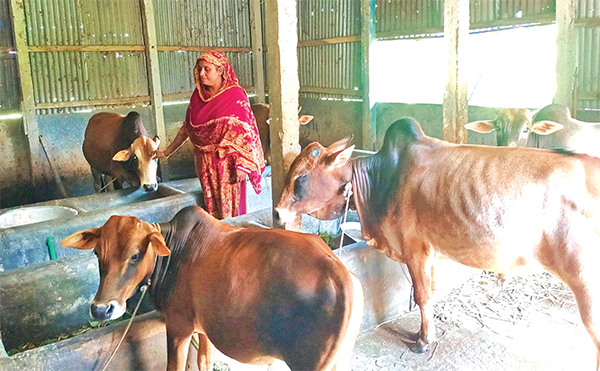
{"x":34,"y":214}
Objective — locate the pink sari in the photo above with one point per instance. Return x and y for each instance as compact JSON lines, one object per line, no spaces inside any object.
{"x":223,"y":130}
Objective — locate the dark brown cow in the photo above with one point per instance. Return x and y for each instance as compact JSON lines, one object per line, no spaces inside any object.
{"x":494,"y":208}
{"x":261,"y":113}
{"x":553,"y":126}
{"x":118,"y":146}
{"x":258,"y":295}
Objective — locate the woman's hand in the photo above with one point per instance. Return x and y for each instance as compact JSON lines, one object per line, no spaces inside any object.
{"x":240,"y":176}
{"x":160,"y":154}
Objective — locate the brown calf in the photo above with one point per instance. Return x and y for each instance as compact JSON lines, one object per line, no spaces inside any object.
{"x":257,"y":295}
{"x":118,"y":146}
{"x":494,"y":208}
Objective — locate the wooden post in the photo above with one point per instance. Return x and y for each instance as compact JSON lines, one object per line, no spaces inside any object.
{"x":369,"y":127}
{"x":456,"y":33}
{"x":257,"y":50}
{"x":153,"y":68}
{"x":30,"y":125}
{"x":282,"y":41}
{"x":566,"y":59}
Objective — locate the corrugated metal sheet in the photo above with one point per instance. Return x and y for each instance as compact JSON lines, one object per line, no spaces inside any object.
{"x":10,"y":92}
{"x":489,"y":11}
{"x":409,"y":16}
{"x":203,"y":23}
{"x":6,"y":34}
{"x":588,"y":63}
{"x":88,"y":22}
{"x":332,"y":66}
{"x":80,"y":76}
{"x":176,"y":70}
{"x":322,"y":19}
{"x":335,"y":66}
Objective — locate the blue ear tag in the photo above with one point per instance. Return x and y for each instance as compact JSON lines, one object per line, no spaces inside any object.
{"x":315,"y":152}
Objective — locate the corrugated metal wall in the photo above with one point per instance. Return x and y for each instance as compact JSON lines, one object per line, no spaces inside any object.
{"x":10,"y":94}
{"x":332,"y":69}
{"x":190,"y":23}
{"x":588,"y":54}
{"x":93,"y":50}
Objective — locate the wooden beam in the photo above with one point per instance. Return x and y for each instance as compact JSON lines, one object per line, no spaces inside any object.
{"x":566,"y":59}
{"x":131,"y":48}
{"x":30,"y":125}
{"x":86,"y":48}
{"x":282,"y":41}
{"x":369,"y":127}
{"x":258,"y":62}
{"x":96,"y":102}
{"x":347,"y":92}
{"x":153,"y":71}
{"x":456,"y":33}
{"x":200,"y":49}
{"x":333,"y":40}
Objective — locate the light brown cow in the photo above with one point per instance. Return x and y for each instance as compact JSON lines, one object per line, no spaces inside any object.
{"x":118,"y":146}
{"x":261,"y":113}
{"x":494,"y":208}
{"x":551,"y":127}
{"x":258,"y":295}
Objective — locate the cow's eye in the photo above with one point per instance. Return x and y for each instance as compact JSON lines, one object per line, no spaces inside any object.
{"x":300,"y":187}
{"x":134,"y":258}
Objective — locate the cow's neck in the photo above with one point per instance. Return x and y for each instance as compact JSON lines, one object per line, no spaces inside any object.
{"x":374,"y":185}
{"x":177,"y":235}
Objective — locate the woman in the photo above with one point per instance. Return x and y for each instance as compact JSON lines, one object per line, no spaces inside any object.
{"x":222,"y":127}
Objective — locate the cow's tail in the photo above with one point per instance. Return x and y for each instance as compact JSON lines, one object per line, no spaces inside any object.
{"x":341,"y":358}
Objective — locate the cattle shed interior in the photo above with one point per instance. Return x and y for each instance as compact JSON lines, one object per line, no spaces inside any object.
{"x":360,"y":66}
{"x":355,"y":65}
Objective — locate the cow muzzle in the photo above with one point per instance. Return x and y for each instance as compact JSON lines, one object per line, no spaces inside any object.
{"x":102,"y":312}
{"x":285,"y":215}
{"x":150,"y":187}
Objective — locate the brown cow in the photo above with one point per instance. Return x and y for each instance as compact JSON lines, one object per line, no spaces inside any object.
{"x":494,"y":208}
{"x":553,"y":125}
{"x":258,"y":295}
{"x":261,"y":113}
{"x":118,"y":146}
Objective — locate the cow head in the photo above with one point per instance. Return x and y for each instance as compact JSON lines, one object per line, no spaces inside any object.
{"x":144,"y":162}
{"x":316,"y":181}
{"x":126,"y":248}
{"x":513,"y":127}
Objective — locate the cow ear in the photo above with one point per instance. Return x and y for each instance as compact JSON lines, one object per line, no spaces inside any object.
{"x":82,"y":240}
{"x":122,"y":155}
{"x":546,"y":127}
{"x":157,"y":243}
{"x":481,"y":126}
{"x":342,"y":157}
{"x":303,"y":120}
{"x":339,"y":145}
{"x":157,"y":140}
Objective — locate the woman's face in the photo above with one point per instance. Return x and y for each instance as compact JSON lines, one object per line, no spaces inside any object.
{"x":210,"y":74}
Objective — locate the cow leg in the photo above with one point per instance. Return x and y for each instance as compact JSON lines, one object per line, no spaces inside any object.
{"x":205,"y":353}
{"x":587,"y":293}
{"x":97,"y":180}
{"x":178,"y":343}
{"x":420,"y":266}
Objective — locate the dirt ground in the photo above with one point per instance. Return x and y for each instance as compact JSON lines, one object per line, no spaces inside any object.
{"x":522,"y":323}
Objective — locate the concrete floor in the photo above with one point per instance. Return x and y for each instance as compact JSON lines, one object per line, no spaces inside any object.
{"x":540,"y":336}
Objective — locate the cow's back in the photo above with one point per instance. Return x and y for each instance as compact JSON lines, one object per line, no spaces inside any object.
{"x":266,"y":291}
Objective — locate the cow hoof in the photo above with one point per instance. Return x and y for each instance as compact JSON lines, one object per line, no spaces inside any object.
{"x":419,"y":346}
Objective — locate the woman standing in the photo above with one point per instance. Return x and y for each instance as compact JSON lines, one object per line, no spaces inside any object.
{"x":222,"y":127}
